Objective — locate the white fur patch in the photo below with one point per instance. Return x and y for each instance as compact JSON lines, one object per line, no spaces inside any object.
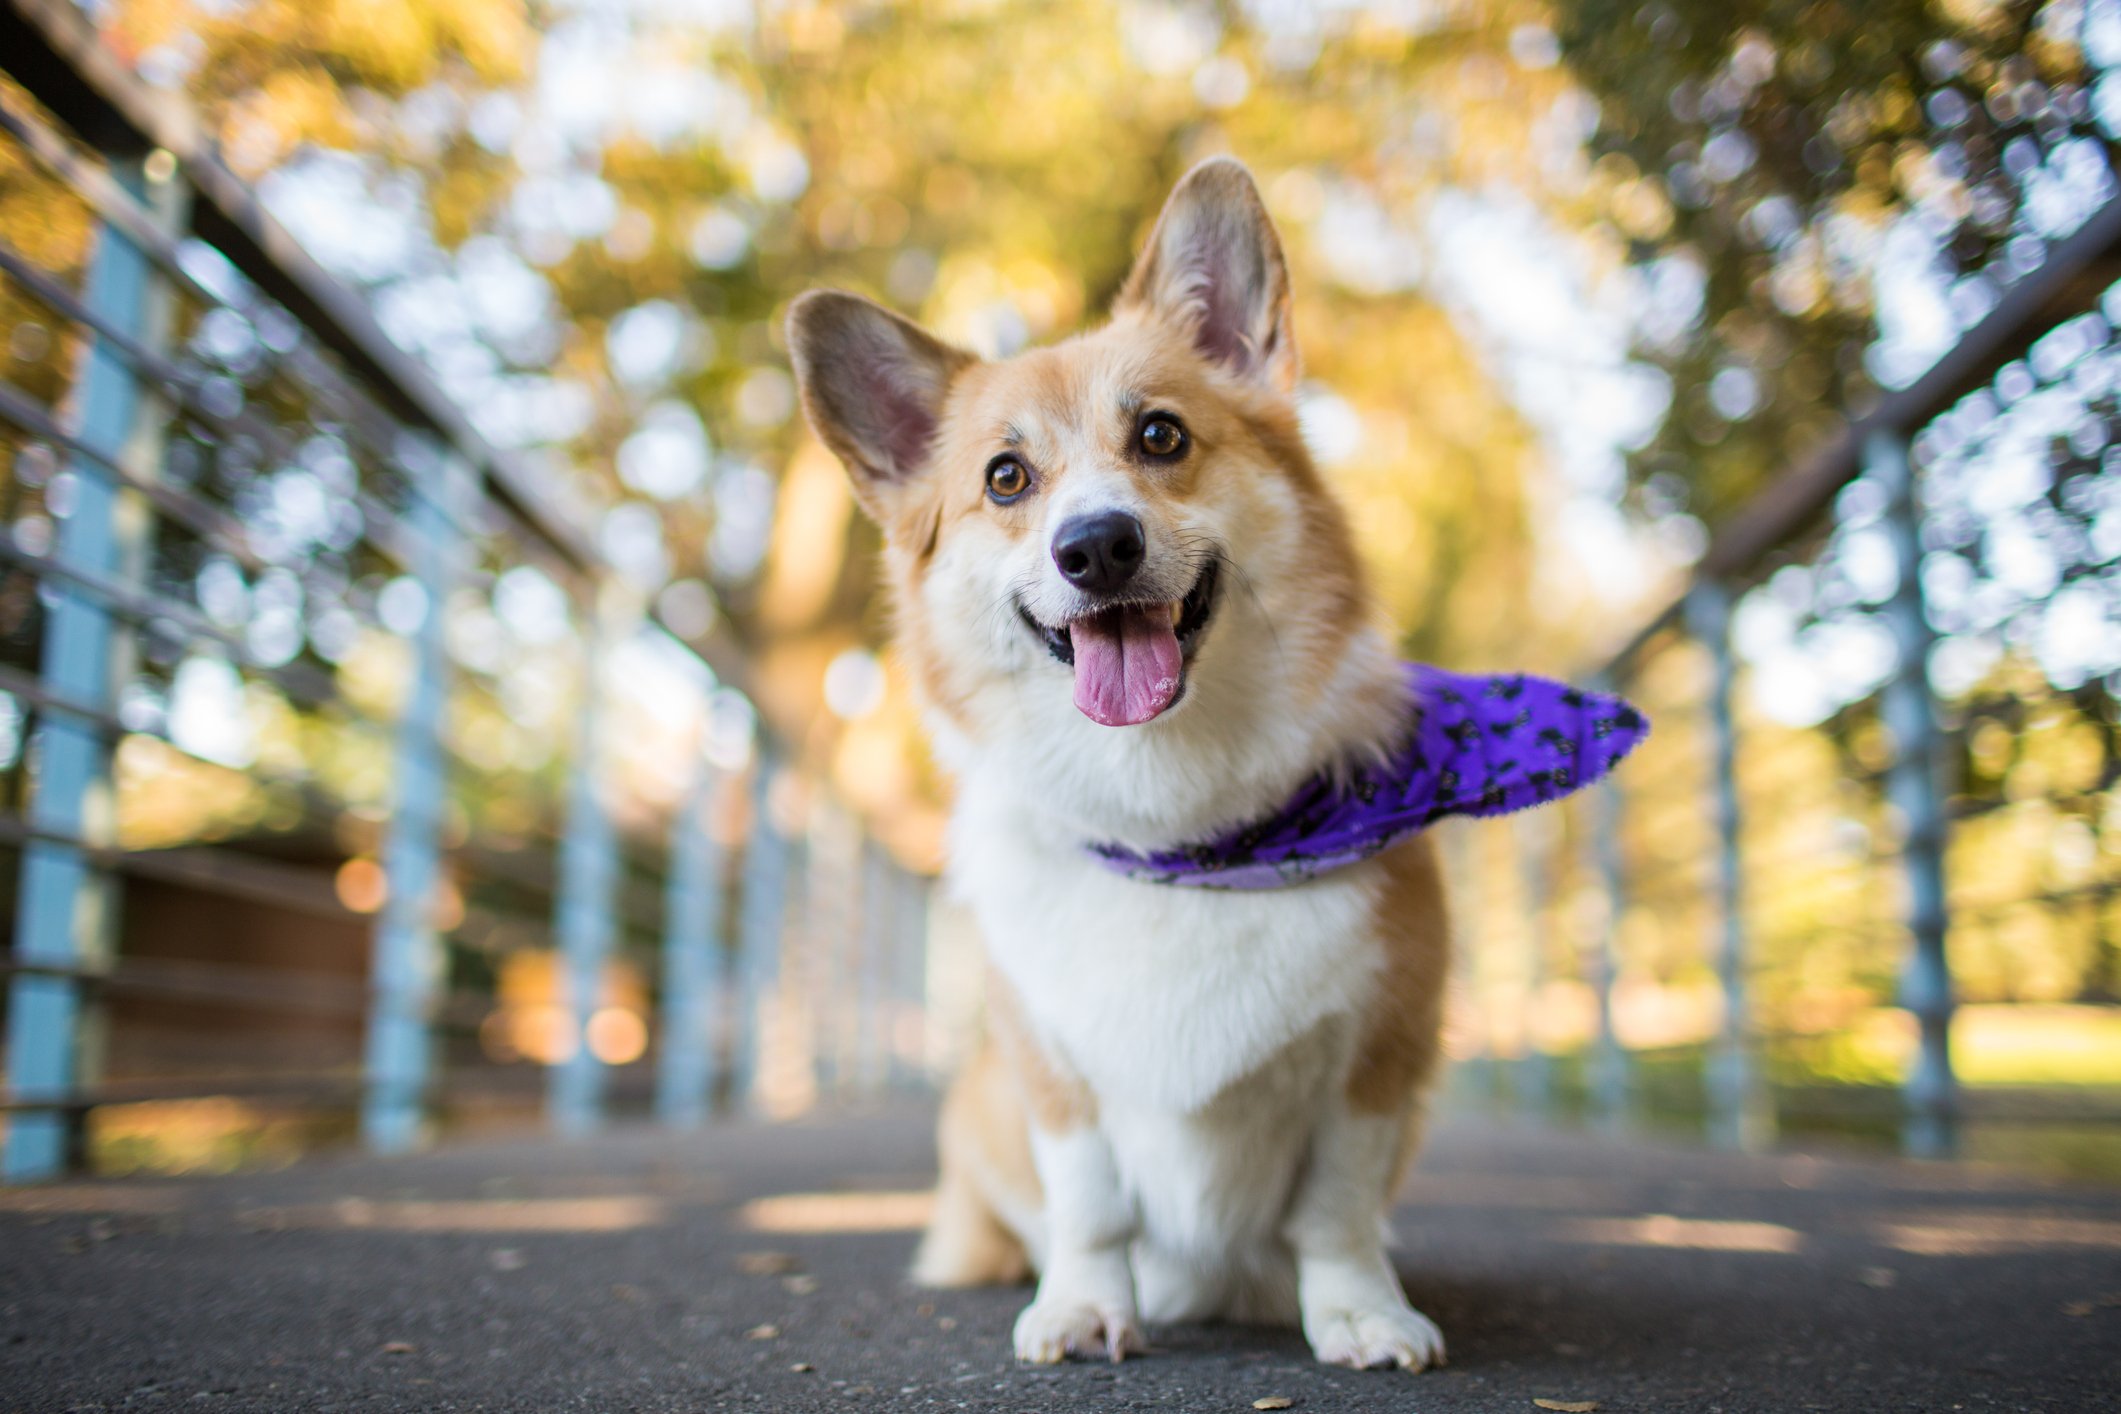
{"x":1213,"y":1028}
{"x":1159,"y":997}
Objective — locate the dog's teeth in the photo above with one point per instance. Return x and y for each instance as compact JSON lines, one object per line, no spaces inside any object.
{"x":1178,"y":611}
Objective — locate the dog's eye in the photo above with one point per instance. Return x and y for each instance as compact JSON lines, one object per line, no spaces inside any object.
{"x":1162,"y":437}
{"x":1007,"y":479}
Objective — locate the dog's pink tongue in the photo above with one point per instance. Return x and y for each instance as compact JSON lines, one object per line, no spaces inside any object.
{"x":1126,"y":665}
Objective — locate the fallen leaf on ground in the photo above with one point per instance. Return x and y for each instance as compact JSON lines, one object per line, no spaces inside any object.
{"x":800,"y":1285}
{"x":946,"y":1323}
{"x":768,"y":1332}
{"x":767,"y":1264}
{"x":1568,"y":1406}
{"x":802,"y":1367}
{"x":397,"y":1347}
{"x":1273,"y":1401}
{"x":1880,"y":1277}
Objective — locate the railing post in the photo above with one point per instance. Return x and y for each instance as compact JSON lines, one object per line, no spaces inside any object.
{"x":873,"y":932}
{"x":1739,"y":1116}
{"x":1461,"y":867}
{"x":822,"y":945}
{"x":1609,"y":1060}
{"x":892,"y":982}
{"x":1535,"y":857}
{"x":66,"y":907}
{"x":782,"y":989}
{"x":909,"y":928}
{"x":1910,"y":711}
{"x":584,"y":906}
{"x":405,"y":969}
{"x":692,"y":949}
{"x":762,"y":910}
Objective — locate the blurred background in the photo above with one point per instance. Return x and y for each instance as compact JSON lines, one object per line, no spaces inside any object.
{"x":443,"y":686}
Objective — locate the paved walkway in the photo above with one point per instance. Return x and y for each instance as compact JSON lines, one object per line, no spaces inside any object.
{"x":757,"y":1267}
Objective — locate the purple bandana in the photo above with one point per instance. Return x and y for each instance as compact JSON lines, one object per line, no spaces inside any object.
{"x":1481,"y":745}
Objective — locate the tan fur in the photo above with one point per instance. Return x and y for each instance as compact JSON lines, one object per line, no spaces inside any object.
{"x":985,"y":1149}
{"x":1057,"y":1101}
{"x":985,"y":1145}
{"x":1397,"y":1056}
{"x":1230,"y":423}
{"x":1396,"y":1065}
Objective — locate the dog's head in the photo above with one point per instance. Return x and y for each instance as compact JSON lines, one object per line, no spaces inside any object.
{"x":1127,"y":521}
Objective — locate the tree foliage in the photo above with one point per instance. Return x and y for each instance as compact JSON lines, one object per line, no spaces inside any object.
{"x":1852,"y":183}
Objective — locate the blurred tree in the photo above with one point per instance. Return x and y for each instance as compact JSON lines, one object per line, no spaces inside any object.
{"x":1849,"y":187}
{"x":590,"y":234}
{"x":1850,"y":184}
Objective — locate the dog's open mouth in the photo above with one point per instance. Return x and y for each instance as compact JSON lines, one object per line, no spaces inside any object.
{"x":1130,"y":660}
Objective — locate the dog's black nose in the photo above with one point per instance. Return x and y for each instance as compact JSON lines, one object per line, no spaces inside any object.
{"x":1097,"y":553}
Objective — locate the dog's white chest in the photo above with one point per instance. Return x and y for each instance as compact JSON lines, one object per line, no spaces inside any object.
{"x":1162,"y":995}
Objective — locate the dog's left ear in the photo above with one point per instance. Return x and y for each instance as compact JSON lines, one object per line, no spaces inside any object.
{"x":1214,"y":267}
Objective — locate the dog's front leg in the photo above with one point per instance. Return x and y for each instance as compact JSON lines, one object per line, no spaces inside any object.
{"x":1354,"y":1312}
{"x":1085,"y":1302}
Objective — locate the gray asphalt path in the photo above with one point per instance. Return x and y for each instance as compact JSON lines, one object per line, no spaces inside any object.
{"x":758,"y":1267}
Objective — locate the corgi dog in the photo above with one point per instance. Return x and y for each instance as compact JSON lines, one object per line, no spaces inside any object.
{"x":1135,"y":617}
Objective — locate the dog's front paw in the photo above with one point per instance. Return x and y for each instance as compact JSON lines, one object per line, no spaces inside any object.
{"x":1051,"y":1330}
{"x":1378,"y":1338}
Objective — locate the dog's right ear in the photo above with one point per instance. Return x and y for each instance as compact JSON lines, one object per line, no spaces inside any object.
{"x":873,"y":386}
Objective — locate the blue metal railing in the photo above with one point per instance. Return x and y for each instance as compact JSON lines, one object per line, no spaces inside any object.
{"x":407,"y":963}
{"x":1723,"y":881}
{"x":61,"y":913}
{"x":166,"y":463}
